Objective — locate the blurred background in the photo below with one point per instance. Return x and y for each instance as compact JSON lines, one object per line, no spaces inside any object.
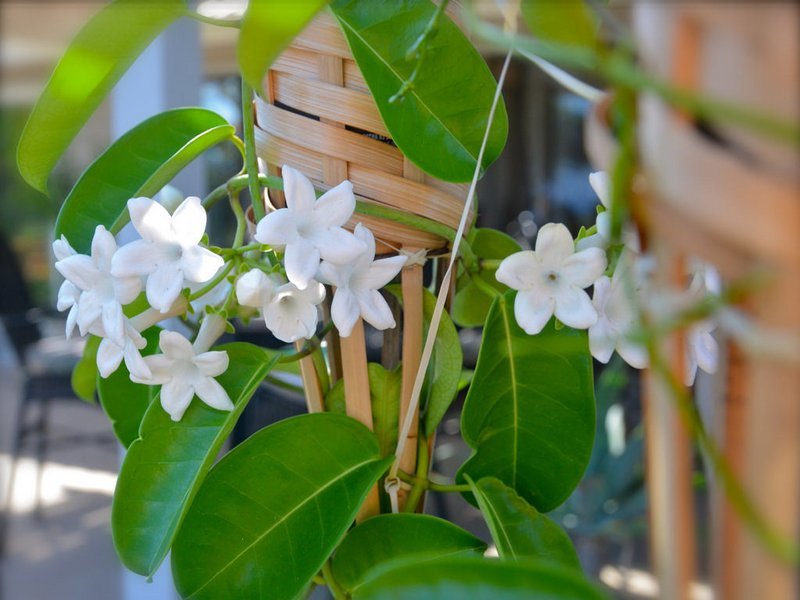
{"x":58,"y":457}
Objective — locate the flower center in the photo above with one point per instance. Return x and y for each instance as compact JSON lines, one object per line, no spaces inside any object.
{"x":551,"y":277}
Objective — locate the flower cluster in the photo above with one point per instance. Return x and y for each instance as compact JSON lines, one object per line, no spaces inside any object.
{"x":169,"y":271}
{"x":552,"y":279}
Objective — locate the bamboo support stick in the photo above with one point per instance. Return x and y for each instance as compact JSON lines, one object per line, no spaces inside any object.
{"x":357,"y":398}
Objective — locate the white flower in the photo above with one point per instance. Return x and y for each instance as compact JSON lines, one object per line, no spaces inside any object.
{"x":310,"y":230}
{"x":110,"y":355}
{"x":169,"y":253}
{"x":62,"y":248}
{"x":289,"y":313}
{"x":551,"y":280}
{"x":617,"y":317}
{"x":357,"y":286}
{"x":602,"y":239}
{"x":701,"y":349}
{"x":94,"y":296}
{"x":184,"y":371}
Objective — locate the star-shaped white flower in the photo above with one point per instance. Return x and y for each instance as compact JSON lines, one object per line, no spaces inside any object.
{"x":357,"y":286}
{"x":169,"y":253}
{"x":602,"y":239}
{"x":551,"y":280}
{"x":184,"y":372}
{"x":110,"y":355}
{"x":617,"y":317}
{"x":289,"y":313}
{"x":309,"y":230}
{"x":92,"y":294}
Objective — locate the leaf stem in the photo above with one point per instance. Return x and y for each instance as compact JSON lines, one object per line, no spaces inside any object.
{"x":336,"y":590}
{"x":432,"y":485}
{"x":213,"y":283}
{"x":241,"y":223}
{"x":250,"y":156}
{"x":240,"y":182}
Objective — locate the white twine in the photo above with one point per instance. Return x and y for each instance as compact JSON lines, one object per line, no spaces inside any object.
{"x":414,"y":258}
{"x":392,"y":481}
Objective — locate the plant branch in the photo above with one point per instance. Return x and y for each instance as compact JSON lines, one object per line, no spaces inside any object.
{"x":336,"y":590}
{"x":250,"y":157}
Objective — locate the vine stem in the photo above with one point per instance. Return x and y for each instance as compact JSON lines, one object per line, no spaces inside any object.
{"x":234,"y":23}
{"x":336,"y":590}
{"x":433,"y":486}
{"x":250,"y":157}
{"x":213,"y":283}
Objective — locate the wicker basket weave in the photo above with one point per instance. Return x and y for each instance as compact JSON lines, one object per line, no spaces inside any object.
{"x":320,"y":119}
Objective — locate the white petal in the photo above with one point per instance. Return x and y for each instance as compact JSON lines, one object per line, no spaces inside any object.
{"x":601,"y":186}
{"x":136,"y":365}
{"x":339,"y":246}
{"x":632,"y":353}
{"x":109,"y":357}
{"x":592,"y":241}
{"x":200,"y":264}
{"x":706,"y":351}
{"x":150,"y":219}
{"x":164,"y":286}
{"x":345,"y":311}
{"x":161,"y":368}
{"x":175,"y":397}
{"x":574,"y":308}
{"x":62,"y":248}
{"x":690,"y":367}
{"x":313,"y":294}
{"x":378,"y":274}
{"x":114,"y":322}
{"x":68,"y":295}
{"x":80,"y":270}
{"x":138,"y":258}
{"x":254,"y":289}
{"x":72,"y":318}
{"x":90,"y":310}
{"x":602,"y":340}
{"x":290,"y":318}
{"x":583,"y":268}
{"x":338,"y":275}
{"x":213,"y":394}
{"x":277,"y":229}
{"x":603,"y":223}
{"x":127,"y":289}
{"x":335,"y":207}
{"x":375,"y":310}
{"x":175,"y":346}
{"x":213,"y":363}
{"x":518,"y":270}
{"x":533,"y":310}
{"x":301,"y":261}
{"x":299,"y":192}
{"x":189,"y":221}
{"x":103,"y":248}
{"x":553,"y":244}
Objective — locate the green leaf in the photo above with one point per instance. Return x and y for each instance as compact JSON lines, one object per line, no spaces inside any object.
{"x":166,"y":465}
{"x":439,"y":124}
{"x":268,"y":27}
{"x":518,"y":529}
{"x":272,"y":511}
{"x":124,"y":401}
{"x":384,"y":538}
{"x":471,"y":303}
{"x":529,"y":413}
{"x":84,"y":373}
{"x":139,"y":163}
{"x":568,"y":22}
{"x":478,"y":579}
{"x":384,"y":391}
{"x":95,"y":60}
{"x":444,"y":372}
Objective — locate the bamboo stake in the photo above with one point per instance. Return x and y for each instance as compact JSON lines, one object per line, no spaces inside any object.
{"x":357,"y":398}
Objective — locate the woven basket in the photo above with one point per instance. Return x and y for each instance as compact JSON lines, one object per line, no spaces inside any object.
{"x":320,"y":119}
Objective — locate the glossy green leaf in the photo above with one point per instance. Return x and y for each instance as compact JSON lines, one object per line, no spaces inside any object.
{"x":124,"y":401}
{"x":439,"y":124}
{"x":444,"y":371}
{"x":166,"y":465}
{"x":471,"y":303}
{"x":568,"y":22}
{"x":478,"y":579}
{"x":272,"y":511}
{"x":96,"y":59}
{"x":268,"y":27}
{"x":139,"y":163}
{"x":518,"y":529}
{"x":384,"y":538}
{"x":529,"y":413}
{"x":84,"y":373}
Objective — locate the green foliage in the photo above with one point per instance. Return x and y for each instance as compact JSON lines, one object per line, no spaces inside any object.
{"x":471,"y":303}
{"x":478,"y":579}
{"x":272,"y":511}
{"x":529,"y":413}
{"x":518,"y":529}
{"x":166,"y":465}
{"x":96,"y":59}
{"x":84,"y":374}
{"x":126,"y":402}
{"x":568,"y":22}
{"x":385,"y":538}
{"x":439,"y":123}
{"x":268,"y":27}
{"x":139,"y":163}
